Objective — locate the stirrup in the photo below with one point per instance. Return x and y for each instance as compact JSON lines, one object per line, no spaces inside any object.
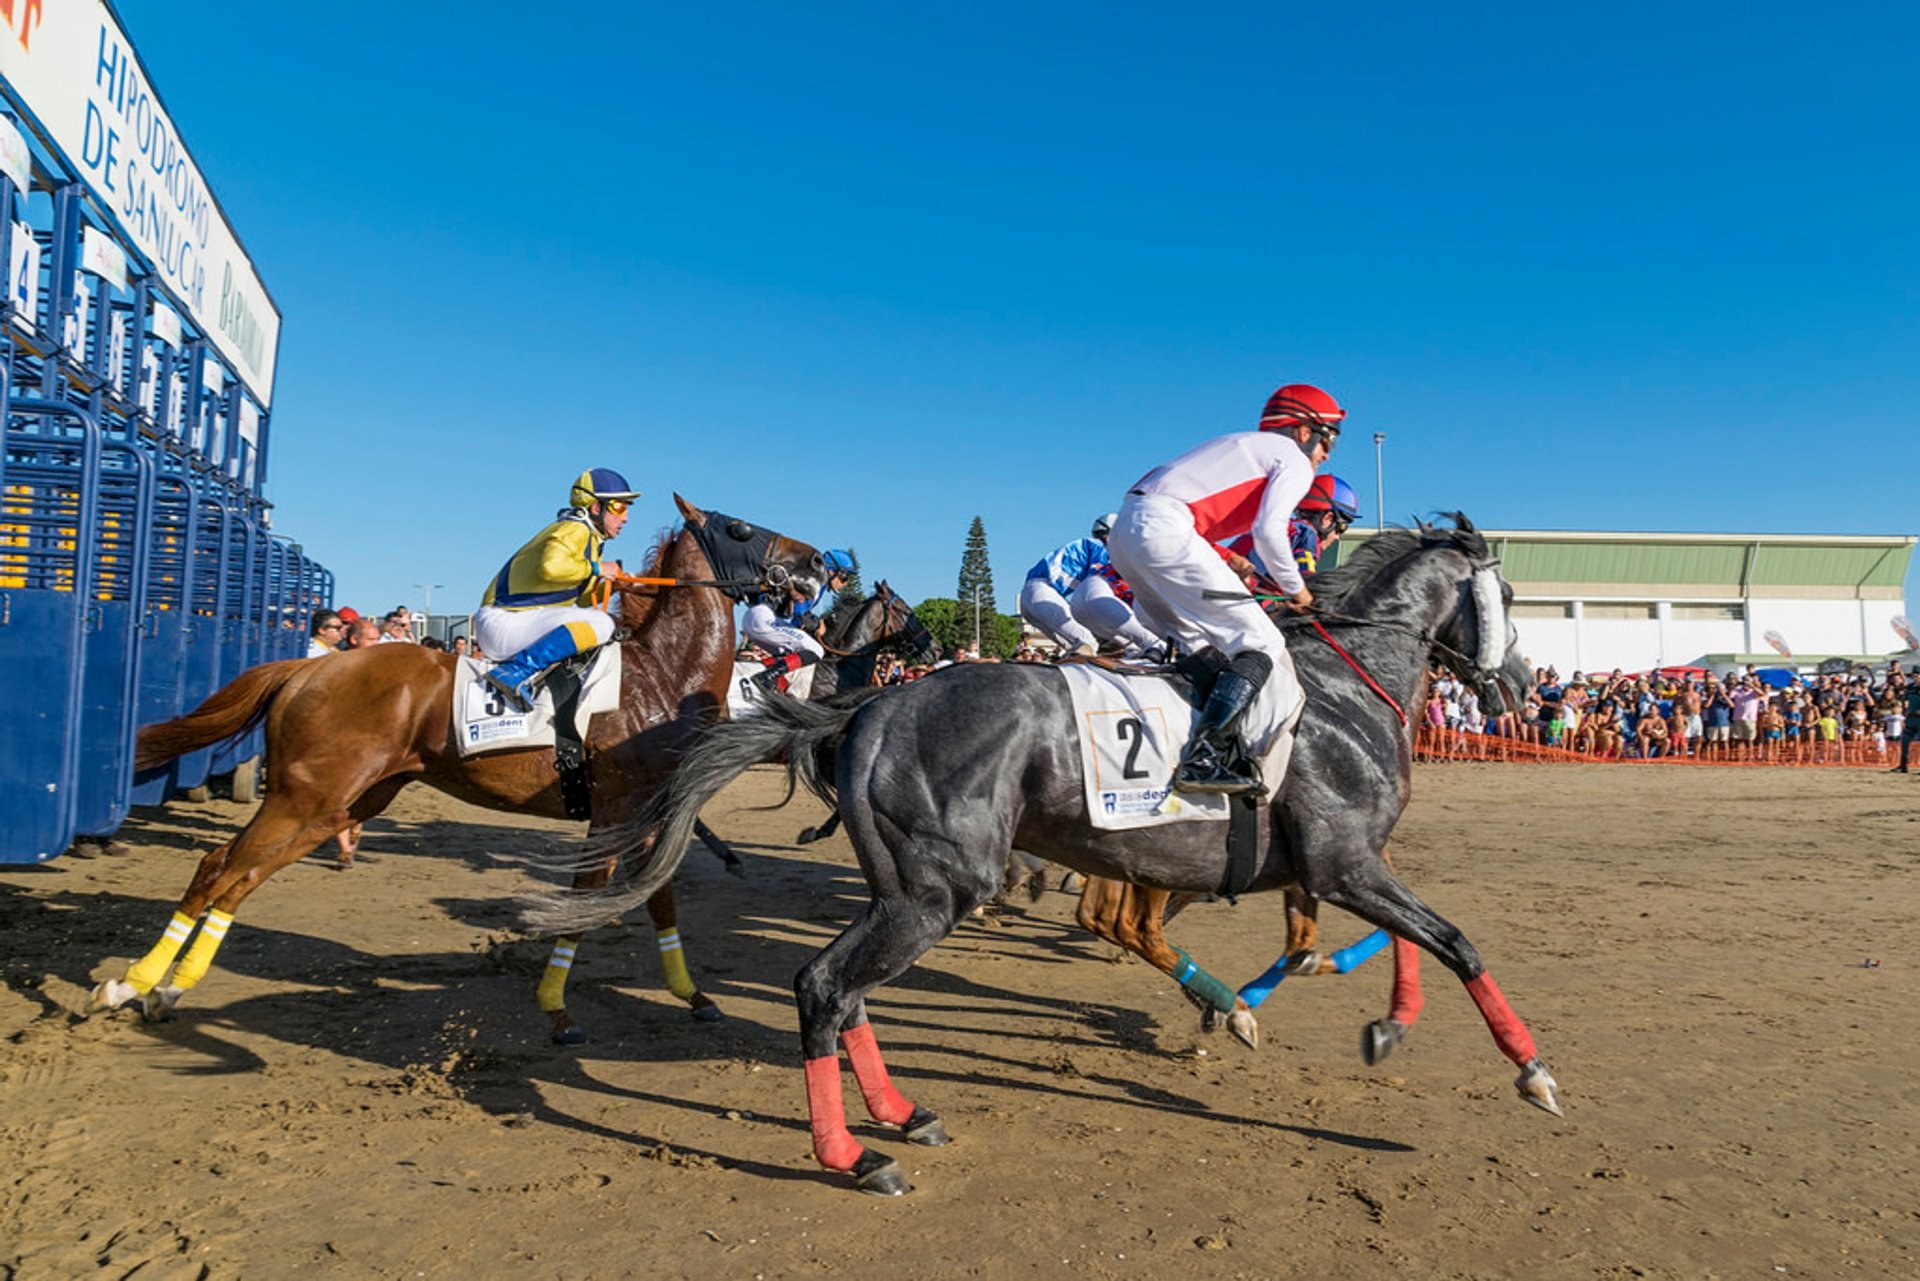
{"x":519,"y":697}
{"x":1202,"y":770}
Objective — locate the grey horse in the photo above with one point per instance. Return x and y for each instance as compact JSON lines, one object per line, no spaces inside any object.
{"x":938,"y":779}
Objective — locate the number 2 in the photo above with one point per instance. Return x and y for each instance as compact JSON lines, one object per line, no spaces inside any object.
{"x":1139,"y":736}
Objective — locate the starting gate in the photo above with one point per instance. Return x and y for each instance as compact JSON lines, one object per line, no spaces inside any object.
{"x":138,"y":567}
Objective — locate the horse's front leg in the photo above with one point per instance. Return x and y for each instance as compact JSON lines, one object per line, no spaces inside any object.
{"x":1134,"y":918}
{"x":673,"y":957}
{"x":1367,"y":887}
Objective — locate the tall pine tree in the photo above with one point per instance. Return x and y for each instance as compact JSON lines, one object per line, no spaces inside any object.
{"x":977,"y":574}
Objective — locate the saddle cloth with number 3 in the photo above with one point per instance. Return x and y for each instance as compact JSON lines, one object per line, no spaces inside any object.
{"x":1131,"y":730}
{"x":482,"y":721}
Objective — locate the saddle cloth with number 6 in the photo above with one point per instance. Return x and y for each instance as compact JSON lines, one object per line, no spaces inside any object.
{"x":482,"y":721}
{"x":1131,"y":730}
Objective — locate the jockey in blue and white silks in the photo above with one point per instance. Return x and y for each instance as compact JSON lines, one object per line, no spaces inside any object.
{"x":544,"y":604}
{"x":1069,"y":598}
{"x":776,"y":624}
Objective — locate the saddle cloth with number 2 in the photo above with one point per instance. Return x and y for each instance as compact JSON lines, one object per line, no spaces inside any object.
{"x":1131,"y":730}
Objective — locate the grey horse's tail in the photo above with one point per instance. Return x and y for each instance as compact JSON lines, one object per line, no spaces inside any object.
{"x":807,"y":734}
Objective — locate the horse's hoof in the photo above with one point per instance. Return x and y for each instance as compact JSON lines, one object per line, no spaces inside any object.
{"x":708,"y":1013}
{"x":926,"y":1129}
{"x":1245,"y":1028}
{"x":1209,"y":1019}
{"x":1537,"y":1086}
{"x":1072,"y":883}
{"x":877,"y":1174}
{"x":111,"y":995}
{"x":157,"y":1005}
{"x":1307,"y":962}
{"x":807,"y":836}
{"x":569,"y":1036}
{"x":1378,"y":1039}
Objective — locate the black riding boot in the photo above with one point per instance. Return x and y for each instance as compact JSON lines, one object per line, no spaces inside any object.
{"x":1204,"y":764}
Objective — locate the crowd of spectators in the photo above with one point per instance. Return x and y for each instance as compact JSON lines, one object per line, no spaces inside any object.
{"x":347,"y":628}
{"x":1751,"y":715}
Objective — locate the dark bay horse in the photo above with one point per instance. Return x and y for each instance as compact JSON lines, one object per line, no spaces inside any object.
{"x":345,"y":732}
{"x":936,"y":781}
{"x":854,"y":640}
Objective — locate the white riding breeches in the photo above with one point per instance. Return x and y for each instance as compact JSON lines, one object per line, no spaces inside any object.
{"x":1171,"y":569}
{"x":502,"y":633}
{"x":1111,"y":619}
{"x":1048,"y":610}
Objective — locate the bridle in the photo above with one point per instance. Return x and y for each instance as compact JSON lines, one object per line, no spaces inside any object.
{"x":741,"y":554}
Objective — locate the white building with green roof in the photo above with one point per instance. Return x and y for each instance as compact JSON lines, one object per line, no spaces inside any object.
{"x":1587,"y":600}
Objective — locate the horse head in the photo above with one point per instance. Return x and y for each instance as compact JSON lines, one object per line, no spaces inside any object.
{"x":899,"y":622}
{"x":747,"y":559}
{"x":1449,"y":577}
{"x":1478,"y":641}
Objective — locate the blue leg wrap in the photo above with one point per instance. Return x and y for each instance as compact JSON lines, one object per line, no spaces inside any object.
{"x":1261,"y":988}
{"x":1354,"y":955}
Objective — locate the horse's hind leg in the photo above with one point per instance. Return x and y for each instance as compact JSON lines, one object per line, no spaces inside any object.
{"x":282,"y":831}
{"x":1134,"y":918}
{"x":830,"y":990}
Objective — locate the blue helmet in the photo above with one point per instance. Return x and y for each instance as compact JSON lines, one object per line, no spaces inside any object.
{"x":598,"y":484}
{"x":834,"y":561}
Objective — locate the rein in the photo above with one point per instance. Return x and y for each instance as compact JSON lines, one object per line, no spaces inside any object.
{"x":1361,"y":672}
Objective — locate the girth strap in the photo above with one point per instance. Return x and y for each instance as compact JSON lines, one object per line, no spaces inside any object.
{"x":565,"y":682}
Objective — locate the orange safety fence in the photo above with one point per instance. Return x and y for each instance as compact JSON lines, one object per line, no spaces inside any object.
{"x":1441,"y":745}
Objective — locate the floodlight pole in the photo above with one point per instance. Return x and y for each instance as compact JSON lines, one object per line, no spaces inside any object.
{"x":1380,"y":481}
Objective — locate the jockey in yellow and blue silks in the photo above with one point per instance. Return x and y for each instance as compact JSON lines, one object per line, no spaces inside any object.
{"x":543,"y":604}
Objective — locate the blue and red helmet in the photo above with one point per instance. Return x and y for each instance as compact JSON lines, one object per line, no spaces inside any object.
{"x":598,"y":484}
{"x":1329,"y":493}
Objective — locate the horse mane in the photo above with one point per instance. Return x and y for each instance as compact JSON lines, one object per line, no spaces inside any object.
{"x":635,"y":609}
{"x":1334,"y":588}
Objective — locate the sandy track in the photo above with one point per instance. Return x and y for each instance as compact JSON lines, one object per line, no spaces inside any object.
{"x":363,"y":1086}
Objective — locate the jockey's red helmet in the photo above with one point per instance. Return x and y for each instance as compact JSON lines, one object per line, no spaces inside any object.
{"x":1301,"y":404}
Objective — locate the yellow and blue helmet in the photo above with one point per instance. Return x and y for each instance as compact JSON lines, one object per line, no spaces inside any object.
{"x":597,"y":484}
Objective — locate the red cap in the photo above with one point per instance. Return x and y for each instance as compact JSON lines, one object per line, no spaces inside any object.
{"x":1298,"y":403}
{"x":348,"y":614}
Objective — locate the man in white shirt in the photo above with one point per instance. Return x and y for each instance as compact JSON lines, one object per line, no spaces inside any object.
{"x":1164,"y":545}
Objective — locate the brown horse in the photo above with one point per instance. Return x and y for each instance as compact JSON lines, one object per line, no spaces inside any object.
{"x":1133,"y":918}
{"x":346,"y":732}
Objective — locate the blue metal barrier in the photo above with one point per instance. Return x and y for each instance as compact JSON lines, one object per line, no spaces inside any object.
{"x":168,"y":622}
{"x":49,"y":492}
{"x":116,"y":601}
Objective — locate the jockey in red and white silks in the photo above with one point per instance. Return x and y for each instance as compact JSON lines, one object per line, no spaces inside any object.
{"x":1164,"y":545}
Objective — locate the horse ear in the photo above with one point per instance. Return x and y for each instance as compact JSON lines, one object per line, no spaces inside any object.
{"x":883,"y":591}
{"x":693,"y":515}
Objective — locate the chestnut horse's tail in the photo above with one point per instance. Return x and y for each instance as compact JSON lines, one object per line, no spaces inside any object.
{"x":231,"y":710}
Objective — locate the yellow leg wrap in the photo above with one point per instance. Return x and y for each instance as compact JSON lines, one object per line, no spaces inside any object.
{"x":199,"y":958}
{"x":674,"y":961}
{"x":583,"y":635}
{"x":146,"y":972}
{"x":553,"y":984}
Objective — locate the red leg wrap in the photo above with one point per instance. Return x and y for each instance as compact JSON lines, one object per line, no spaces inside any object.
{"x":833,"y":1147}
{"x":884,"y":1103}
{"x":1509,"y":1033}
{"x":1407,"y":998}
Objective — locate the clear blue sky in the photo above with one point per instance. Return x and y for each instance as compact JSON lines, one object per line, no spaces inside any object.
{"x":862,"y":272}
